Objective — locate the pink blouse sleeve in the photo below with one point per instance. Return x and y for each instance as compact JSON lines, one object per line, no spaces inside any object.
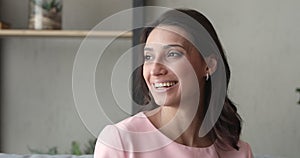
{"x":103,"y":151}
{"x":250,"y":154}
{"x":109,"y":144}
{"x":244,"y":151}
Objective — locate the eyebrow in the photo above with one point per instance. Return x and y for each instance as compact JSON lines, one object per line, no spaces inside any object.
{"x":164,"y":47}
{"x":173,"y":45}
{"x":148,"y":49}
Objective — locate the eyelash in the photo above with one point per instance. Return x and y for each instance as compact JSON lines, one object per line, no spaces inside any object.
{"x":171,"y":54}
{"x":147,"y":57}
{"x":174,"y":54}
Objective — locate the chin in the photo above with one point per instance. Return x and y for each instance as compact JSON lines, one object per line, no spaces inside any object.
{"x":159,"y":102}
{"x":165,"y":102}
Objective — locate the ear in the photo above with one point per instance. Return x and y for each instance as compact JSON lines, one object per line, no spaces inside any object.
{"x":212,"y":63}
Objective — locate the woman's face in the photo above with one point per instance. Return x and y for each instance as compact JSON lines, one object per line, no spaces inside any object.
{"x":170,"y":65}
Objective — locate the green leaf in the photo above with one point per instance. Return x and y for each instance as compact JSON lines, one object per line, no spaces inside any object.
{"x":90,"y":147}
{"x":46,"y":6}
{"x":75,"y":150}
{"x":34,"y":151}
{"x":53,"y":151}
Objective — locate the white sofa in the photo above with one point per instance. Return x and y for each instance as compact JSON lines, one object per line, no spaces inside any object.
{"x":43,"y":156}
{"x":73,"y":156}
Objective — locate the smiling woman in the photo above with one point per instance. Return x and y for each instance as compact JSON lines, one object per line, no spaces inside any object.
{"x":167,"y":62}
{"x":186,"y":73}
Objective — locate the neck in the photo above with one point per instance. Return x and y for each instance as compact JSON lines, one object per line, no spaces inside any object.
{"x":185,"y":131}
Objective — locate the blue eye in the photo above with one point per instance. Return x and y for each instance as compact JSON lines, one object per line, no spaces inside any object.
{"x":174,"y":54}
{"x":147,"y":57}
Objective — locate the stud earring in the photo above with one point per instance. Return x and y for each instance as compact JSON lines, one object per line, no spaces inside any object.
{"x":207,"y":77}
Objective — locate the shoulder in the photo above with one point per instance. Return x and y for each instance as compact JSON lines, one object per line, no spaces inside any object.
{"x":136,"y":123}
{"x":106,"y":135}
{"x":134,"y":134}
{"x":109,"y":143}
{"x":244,"y":147}
{"x":124,"y":129}
{"x":243,"y":152}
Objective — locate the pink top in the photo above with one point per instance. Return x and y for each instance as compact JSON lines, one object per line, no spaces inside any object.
{"x":136,"y":137}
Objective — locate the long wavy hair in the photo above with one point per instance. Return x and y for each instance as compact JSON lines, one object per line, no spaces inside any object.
{"x":227,"y":129}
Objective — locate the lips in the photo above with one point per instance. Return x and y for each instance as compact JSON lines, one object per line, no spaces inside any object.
{"x":162,"y":85}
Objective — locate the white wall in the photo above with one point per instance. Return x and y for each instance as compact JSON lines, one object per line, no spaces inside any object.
{"x":261,"y":39}
{"x":37,"y":103}
{"x":38,"y":109}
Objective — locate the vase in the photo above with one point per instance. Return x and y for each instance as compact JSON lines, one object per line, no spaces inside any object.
{"x":45,"y":14}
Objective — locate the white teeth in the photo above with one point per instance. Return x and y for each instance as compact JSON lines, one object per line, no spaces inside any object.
{"x":164,"y":84}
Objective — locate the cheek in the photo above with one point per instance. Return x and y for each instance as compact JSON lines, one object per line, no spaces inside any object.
{"x":189,"y":73}
{"x":199,"y":67}
{"x":181,"y":69}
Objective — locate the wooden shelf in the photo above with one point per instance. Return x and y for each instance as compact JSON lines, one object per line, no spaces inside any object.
{"x":63,"y":33}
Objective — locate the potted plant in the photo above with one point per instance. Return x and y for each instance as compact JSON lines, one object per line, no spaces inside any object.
{"x":45,"y":14}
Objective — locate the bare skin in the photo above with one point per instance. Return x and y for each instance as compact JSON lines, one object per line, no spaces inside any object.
{"x":165,"y":72}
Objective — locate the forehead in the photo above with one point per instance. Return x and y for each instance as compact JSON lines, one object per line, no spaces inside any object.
{"x":168,"y":34}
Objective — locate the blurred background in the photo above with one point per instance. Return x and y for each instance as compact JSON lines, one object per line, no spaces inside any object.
{"x":261,"y":39}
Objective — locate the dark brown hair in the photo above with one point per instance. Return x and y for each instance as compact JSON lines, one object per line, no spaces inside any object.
{"x":227,"y":128}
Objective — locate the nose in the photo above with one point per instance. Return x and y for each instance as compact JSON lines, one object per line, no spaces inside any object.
{"x":158,"y":69}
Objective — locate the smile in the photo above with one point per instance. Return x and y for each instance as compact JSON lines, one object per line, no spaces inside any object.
{"x":165,"y":84}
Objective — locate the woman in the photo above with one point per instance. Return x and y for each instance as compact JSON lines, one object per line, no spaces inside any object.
{"x":186,"y":73}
